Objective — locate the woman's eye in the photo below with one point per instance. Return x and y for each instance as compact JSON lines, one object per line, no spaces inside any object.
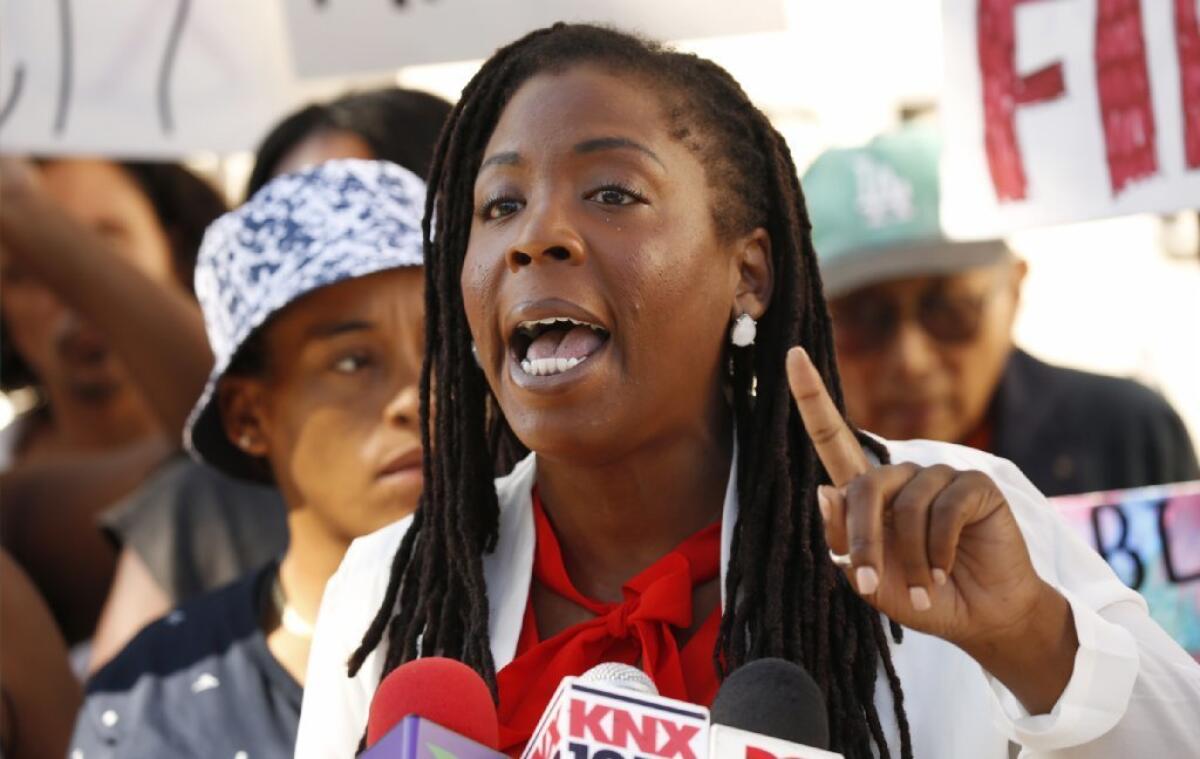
{"x":615,"y":196}
{"x":351,"y":364}
{"x":499,"y":208}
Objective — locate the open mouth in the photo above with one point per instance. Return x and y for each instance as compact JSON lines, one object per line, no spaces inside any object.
{"x":554,"y":345}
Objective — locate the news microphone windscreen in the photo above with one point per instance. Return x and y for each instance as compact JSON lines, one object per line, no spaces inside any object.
{"x":620,"y":675}
{"x":441,"y":690}
{"x":776,"y":698}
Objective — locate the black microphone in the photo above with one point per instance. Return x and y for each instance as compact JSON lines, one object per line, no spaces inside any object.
{"x":769,"y":708}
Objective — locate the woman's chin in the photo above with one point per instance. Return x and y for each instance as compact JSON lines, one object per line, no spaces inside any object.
{"x":574,"y":437}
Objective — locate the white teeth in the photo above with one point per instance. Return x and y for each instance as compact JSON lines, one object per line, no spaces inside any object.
{"x":542,"y":367}
{"x":529,"y":325}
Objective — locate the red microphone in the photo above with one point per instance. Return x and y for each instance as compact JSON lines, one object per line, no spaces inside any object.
{"x":432,"y":707}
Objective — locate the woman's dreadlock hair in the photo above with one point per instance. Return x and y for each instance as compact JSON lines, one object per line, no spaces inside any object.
{"x":791,"y":600}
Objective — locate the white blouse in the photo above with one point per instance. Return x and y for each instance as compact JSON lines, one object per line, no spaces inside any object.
{"x":1134,"y":692}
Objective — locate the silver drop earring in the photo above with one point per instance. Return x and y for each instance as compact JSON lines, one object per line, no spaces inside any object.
{"x":475,"y":353}
{"x":745,"y":329}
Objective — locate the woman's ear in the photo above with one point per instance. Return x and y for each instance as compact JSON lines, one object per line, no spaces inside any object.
{"x":1015,"y":271}
{"x":755,"y":276}
{"x":241,"y":403}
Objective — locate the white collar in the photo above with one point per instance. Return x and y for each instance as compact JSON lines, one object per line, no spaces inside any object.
{"x":509,"y":569}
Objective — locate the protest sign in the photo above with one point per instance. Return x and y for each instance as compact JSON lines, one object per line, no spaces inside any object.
{"x":140,"y":78}
{"x":1151,"y":538}
{"x":346,"y":36}
{"x":1066,"y":110}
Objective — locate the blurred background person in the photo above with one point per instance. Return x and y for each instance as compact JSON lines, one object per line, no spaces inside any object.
{"x":102,"y":332}
{"x":388,"y":124}
{"x":924,"y":332}
{"x":317,"y":322}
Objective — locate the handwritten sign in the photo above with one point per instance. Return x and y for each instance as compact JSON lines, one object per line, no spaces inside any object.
{"x":345,"y":36}
{"x":1151,"y":538}
{"x":1066,"y":110}
{"x":140,"y":78}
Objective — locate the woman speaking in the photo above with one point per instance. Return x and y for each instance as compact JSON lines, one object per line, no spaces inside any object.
{"x":621,"y":281}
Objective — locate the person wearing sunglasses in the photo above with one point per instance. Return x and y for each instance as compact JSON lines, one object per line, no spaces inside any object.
{"x":924,"y":335}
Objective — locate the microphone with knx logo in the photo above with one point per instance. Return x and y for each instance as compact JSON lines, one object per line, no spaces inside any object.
{"x":614,"y":712}
{"x":433,"y":708}
{"x":769,"y":709}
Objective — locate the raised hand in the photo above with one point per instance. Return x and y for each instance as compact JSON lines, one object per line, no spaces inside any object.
{"x":937,"y":550}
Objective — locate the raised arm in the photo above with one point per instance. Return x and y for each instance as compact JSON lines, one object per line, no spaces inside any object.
{"x":977,"y":557}
{"x":157,"y":330}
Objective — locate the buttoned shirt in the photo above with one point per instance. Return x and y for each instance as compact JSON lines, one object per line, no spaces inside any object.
{"x":200,"y":682}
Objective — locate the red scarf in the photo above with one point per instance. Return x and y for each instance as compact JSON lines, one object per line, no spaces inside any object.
{"x":641,"y":629}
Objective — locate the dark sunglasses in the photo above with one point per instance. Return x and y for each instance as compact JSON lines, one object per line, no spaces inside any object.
{"x":869,"y":320}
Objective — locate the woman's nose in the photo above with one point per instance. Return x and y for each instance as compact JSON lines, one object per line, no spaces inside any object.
{"x":548,"y":237}
{"x":404,"y":408}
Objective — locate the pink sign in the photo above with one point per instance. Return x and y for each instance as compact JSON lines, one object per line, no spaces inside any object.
{"x":1151,"y":538}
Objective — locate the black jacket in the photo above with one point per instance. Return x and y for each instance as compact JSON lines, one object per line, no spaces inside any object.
{"x":1074,"y":432}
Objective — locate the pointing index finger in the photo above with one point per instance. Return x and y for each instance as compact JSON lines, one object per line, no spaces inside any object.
{"x":834,"y":441}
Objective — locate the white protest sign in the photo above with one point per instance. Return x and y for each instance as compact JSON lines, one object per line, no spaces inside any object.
{"x":345,"y":36}
{"x":1065,"y":110}
{"x":140,"y":78}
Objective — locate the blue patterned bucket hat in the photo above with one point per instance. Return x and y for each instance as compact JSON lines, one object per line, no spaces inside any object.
{"x":300,"y":232}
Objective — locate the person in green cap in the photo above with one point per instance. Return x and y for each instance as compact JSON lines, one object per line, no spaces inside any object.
{"x":924,"y":334}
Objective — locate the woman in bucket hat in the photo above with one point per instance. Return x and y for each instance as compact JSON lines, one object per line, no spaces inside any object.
{"x":312,"y":298}
{"x":159,"y":548}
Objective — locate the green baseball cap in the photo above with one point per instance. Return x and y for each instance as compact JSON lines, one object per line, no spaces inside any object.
{"x":874,"y":211}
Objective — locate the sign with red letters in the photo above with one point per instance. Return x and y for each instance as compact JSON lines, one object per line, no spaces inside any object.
{"x":1066,"y":110}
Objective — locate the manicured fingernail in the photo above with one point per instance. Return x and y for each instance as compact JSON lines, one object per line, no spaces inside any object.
{"x":939,"y":576}
{"x":919,"y":598}
{"x":823,"y":503}
{"x":867,"y":580}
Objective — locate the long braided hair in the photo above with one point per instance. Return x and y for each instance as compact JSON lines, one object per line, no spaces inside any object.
{"x":791,"y":601}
